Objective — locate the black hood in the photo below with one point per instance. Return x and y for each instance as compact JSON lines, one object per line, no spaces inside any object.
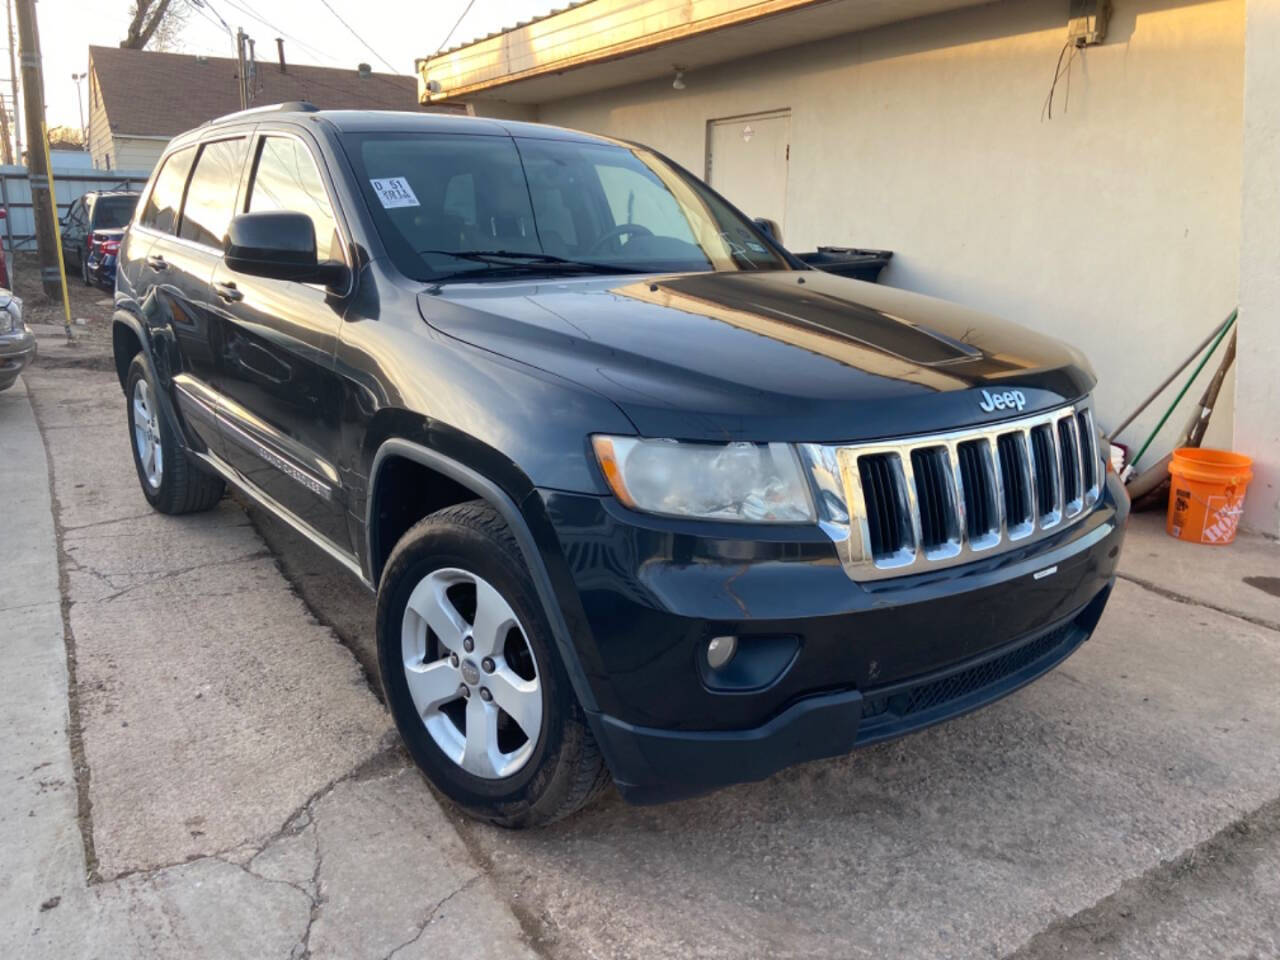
{"x":779,"y":355}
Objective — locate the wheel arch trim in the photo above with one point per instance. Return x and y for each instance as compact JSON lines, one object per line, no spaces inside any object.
{"x":168,"y":410}
{"x":485,"y":489}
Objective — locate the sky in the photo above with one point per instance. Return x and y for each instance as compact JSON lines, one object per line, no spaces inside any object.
{"x":396,"y":30}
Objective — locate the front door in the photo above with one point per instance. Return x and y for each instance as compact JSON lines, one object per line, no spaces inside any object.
{"x":747,"y":161}
{"x":280,"y":393}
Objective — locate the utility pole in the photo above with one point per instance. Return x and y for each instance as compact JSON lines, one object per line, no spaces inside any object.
{"x":52,"y":275}
{"x":13,"y":79}
{"x":241,"y":36}
{"x":6,"y":145}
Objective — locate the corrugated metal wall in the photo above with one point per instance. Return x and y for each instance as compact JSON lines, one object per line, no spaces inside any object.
{"x":15,"y":196}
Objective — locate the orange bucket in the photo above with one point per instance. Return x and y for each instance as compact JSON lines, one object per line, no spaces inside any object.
{"x":1208,"y":494}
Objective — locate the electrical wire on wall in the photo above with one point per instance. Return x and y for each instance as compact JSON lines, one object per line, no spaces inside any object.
{"x":1059,"y":71}
{"x":1087,"y":22}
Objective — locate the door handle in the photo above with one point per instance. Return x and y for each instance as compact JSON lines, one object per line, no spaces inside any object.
{"x":157,"y":263}
{"x":228,"y":292}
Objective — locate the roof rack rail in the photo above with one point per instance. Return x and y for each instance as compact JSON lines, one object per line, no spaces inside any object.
{"x":288,"y":106}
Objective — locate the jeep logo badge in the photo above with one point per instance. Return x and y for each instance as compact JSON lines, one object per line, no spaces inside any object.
{"x":1004,"y":400}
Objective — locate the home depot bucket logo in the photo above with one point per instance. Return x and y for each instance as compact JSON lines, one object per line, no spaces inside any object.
{"x":1221,"y":517}
{"x":1221,"y":514}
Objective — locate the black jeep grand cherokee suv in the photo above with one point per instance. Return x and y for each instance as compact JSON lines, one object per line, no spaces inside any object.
{"x":640,"y":494}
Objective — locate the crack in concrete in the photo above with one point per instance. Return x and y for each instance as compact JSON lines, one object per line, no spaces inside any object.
{"x":28,"y":606}
{"x":103,"y":523}
{"x":75,"y":722}
{"x":157,"y":576}
{"x":431,"y":916}
{"x":1219,"y":859}
{"x":1195,"y":602}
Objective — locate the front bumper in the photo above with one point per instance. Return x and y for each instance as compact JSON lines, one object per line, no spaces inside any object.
{"x":869,"y":660}
{"x":17,"y":349}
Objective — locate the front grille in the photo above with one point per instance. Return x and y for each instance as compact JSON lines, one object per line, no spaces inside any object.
{"x":935,"y":495}
{"x":1044,"y":462}
{"x":886,"y":508}
{"x":954,"y":686}
{"x":977,"y":480}
{"x":1014,"y":464}
{"x":946,"y":498}
{"x":1088,"y":450}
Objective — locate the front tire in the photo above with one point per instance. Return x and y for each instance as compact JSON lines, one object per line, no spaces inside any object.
{"x":472,"y":678}
{"x":169,"y":481}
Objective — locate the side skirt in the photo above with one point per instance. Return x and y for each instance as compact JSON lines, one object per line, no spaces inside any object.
{"x":229,"y":473}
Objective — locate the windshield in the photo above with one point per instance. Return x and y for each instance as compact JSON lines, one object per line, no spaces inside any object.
{"x":112,"y":213}
{"x":600,"y":206}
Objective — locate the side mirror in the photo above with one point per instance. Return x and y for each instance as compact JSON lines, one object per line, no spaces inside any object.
{"x":770,"y":229}
{"x":280,"y":245}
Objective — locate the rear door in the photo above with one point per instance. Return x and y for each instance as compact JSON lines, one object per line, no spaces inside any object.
{"x":187,"y":213}
{"x":280,"y":393}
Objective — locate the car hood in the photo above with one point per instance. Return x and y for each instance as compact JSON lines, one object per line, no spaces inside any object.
{"x":779,"y":355}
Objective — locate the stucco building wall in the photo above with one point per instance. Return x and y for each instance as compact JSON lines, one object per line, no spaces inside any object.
{"x":1116,"y":225}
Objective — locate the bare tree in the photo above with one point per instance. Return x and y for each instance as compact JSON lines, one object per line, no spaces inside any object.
{"x":156,"y":24}
{"x":66,"y":138}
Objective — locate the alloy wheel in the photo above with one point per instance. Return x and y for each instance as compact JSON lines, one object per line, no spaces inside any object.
{"x":471,"y":673}
{"x":146,"y":434}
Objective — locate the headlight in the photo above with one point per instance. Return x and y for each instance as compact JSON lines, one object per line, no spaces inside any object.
{"x":10,"y":315}
{"x":744,"y":482}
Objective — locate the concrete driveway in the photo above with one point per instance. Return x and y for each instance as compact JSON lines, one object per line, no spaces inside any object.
{"x":203,"y":768}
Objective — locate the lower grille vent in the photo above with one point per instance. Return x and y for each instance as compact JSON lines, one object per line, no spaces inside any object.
{"x":936,"y":693}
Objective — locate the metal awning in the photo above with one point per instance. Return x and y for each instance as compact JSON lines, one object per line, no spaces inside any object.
{"x":626,"y":41}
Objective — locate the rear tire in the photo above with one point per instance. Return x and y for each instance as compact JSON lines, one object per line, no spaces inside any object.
{"x":84,"y":271}
{"x":449,"y":581}
{"x":169,"y":481}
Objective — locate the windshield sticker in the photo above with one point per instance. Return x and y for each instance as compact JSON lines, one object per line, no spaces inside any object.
{"x":394,"y":192}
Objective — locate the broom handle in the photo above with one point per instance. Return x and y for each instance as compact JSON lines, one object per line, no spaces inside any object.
{"x":1169,"y":379}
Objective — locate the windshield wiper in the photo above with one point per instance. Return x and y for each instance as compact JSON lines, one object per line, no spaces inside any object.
{"x":522,"y":261}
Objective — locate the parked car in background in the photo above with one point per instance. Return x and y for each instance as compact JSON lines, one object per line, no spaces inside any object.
{"x":641,"y":494}
{"x":5,"y":282}
{"x":17,"y":343}
{"x":91,"y":233}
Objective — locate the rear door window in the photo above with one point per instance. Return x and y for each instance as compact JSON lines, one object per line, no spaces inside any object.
{"x":211,"y":196}
{"x":286,"y":177}
{"x":161,"y":211}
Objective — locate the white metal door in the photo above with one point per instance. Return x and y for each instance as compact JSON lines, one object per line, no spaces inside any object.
{"x":747,"y":159}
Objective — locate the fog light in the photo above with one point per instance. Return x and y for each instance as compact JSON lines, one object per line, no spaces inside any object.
{"x":720,"y":651}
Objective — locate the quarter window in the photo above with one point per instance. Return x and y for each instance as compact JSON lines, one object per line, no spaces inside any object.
{"x":211,"y":196}
{"x":162,"y":208}
{"x":286,"y":178}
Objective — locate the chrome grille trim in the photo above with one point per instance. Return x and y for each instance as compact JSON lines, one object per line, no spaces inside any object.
{"x":843,"y":506}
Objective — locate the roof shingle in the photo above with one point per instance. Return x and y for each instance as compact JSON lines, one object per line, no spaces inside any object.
{"x":147,"y":93}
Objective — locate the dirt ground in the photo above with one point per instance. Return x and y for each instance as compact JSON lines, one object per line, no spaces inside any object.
{"x":90,"y":317}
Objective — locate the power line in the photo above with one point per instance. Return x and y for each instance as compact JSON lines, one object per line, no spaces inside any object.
{"x":449,"y":36}
{"x":206,"y":8}
{"x":350,"y":30}
{"x":284,"y":33}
